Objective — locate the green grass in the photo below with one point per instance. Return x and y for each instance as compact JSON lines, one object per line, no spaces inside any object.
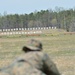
{"x":60,"y":47}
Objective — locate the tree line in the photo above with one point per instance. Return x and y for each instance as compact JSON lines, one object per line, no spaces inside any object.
{"x":60,"y":18}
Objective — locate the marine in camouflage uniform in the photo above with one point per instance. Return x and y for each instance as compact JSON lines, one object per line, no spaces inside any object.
{"x":33,"y":62}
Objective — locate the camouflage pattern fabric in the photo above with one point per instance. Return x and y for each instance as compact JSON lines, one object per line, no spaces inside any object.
{"x":31,"y":63}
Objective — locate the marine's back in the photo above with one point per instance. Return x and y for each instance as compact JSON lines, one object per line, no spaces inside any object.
{"x":36,"y":62}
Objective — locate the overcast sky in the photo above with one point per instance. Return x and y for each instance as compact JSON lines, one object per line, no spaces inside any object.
{"x":28,"y":6}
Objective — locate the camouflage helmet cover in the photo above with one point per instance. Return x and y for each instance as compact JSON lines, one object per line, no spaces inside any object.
{"x":33,"y":45}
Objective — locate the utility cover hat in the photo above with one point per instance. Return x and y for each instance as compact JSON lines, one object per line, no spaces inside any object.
{"x":33,"y":45}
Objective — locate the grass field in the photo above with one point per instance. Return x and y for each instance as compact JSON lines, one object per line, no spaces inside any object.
{"x":59,"y":46}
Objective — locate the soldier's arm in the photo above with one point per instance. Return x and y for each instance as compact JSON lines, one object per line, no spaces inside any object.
{"x":49,"y":67}
{"x":10,"y":65}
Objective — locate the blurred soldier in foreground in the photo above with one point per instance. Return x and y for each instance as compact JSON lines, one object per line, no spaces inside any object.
{"x":33,"y":62}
